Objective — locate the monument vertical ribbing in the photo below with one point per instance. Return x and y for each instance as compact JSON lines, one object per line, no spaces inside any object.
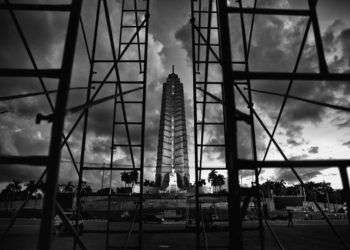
{"x":172,"y":153}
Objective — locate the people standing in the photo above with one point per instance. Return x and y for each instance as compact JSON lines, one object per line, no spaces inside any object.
{"x":290,"y":218}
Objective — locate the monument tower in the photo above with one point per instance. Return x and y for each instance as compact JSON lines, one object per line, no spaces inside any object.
{"x":172,"y":158}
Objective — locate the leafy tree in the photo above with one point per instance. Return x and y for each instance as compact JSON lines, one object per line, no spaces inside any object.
{"x":31,"y":188}
{"x":105,"y":191}
{"x":41,"y":186}
{"x":292,"y":190}
{"x":69,"y":187}
{"x":14,"y":188}
{"x":85,"y":188}
{"x":321,"y":191}
{"x":11,"y":192}
{"x":66,"y":188}
{"x":146,"y":183}
{"x":125,"y":177}
{"x":220,"y":181}
{"x":211,"y":176}
{"x":337,"y":196}
{"x":216,"y":180}
{"x":278,"y":187}
{"x":149,"y":183}
{"x":129,"y":178}
{"x":201,"y":183}
{"x":134,"y":175}
{"x":212,"y":179}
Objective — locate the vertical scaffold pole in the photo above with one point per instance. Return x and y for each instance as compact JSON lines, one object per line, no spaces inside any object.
{"x":346,"y":188}
{"x":53,"y":165}
{"x":230,"y":128}
{"x":86,"y":114}
{"x":194,"y":72}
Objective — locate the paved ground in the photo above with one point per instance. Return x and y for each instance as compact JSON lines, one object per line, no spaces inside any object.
{"x":304,"y":235}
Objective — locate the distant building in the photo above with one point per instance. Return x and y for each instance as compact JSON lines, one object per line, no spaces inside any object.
{"x":172,"y":171}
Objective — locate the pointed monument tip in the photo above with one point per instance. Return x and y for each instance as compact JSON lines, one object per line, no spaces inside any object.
{"x":172,"y":73}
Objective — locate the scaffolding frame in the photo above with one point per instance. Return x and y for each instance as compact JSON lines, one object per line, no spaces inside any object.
{"x":63,"y":75}
{"x":202,"y":40}
{"x":60,"y":140}
{"x":219,"y":53}
{"x":231,"y":81}
{"x":139,"y":38}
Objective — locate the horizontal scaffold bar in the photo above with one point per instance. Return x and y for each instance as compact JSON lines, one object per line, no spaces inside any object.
{"x":270,"y":11}
{"x":50,"y":73}
{"x":31,"y":7}
{"x":241,"y":75}
{"x":35,"y":160}
{"x":250,"y":164}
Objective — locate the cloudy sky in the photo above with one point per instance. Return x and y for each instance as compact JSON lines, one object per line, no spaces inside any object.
{"x":305,"y":131}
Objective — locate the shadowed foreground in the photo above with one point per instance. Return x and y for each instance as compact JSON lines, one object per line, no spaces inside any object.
{"x":305,"y":235}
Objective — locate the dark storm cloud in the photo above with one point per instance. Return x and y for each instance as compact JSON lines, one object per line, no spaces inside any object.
{"x":184,"y":35}
{"x":18,"y":136}
{"x":274,"y":48}
{"x":313,"y":150}
{"x":294,"y":134}
{"x":305,"y":175}
{"x":346,"y":144}
{"x":269,"y":50}
{"x":295,"y":111}
{"x":101,"y":146}
{"x":18,"y":172}
{"x":345,"y":39}
{"x":293,"y":142}
{"x":344,"y":124}
{"x":100,"y":119}
{"x":298,"y":112}
{"x":45,"y":33}
{"x":167,"y":16}
{"x":42,"y":30}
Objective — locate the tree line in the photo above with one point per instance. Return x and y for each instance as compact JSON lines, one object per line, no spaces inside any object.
{"x":321,"y":191}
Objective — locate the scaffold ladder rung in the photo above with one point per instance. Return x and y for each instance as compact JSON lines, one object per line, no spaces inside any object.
{"x":132,"y":26}
{"x":135,"y":10}
{"x":112,"y":169}
{"x":36,"y":160}
{"x":129,"y":123}
{"x":127,"y":145}
{"x":45,"y":73}
{"x":35,"y":7}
